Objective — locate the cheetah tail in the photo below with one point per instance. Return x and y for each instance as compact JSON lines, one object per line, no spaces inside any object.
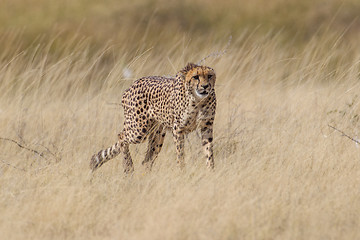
{"x":104,"y":155}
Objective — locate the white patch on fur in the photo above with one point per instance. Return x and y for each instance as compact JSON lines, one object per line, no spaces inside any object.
{"x":201,"y":95}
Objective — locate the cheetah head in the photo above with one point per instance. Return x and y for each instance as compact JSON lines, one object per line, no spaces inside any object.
{"x":200,"y":80}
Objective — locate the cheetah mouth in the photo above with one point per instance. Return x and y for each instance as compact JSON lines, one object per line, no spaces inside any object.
{"x":201,"y":93}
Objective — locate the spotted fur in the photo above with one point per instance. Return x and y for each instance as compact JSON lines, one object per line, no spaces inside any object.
{"x":153,"y":105}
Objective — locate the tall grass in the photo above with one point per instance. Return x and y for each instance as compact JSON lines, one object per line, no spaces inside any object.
{"x":281,"y":172}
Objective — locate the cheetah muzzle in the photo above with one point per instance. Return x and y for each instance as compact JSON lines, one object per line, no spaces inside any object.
{"x":154,"y":105}
{"x":202,"y":92}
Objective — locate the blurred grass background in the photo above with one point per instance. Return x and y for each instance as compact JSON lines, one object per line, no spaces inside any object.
{"x":152,"y":22}
{"x":113,"y":33}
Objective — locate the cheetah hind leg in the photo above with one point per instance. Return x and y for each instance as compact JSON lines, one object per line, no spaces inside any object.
{"x":127,"y":162}
{"x":156,"y":140}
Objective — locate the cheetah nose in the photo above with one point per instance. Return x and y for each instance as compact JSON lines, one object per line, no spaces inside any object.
{"x":205,"y":86}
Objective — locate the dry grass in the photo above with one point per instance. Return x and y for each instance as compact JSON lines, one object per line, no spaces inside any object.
{"x":281,"y":173}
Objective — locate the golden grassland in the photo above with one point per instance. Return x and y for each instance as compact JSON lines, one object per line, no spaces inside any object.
{"x":281,"y":171}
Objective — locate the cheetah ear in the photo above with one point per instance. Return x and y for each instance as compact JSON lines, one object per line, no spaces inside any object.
{"x":187,"y":68}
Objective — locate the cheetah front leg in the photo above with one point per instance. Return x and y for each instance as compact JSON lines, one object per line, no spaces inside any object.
{"x":206,"y":130}
{"x":179,"y":142}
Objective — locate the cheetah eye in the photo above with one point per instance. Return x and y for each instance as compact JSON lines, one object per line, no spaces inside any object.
{"x":196,"y":77}
{"x":210,"y":76}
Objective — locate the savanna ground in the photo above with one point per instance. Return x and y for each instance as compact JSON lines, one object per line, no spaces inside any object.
{"x":291,"y":70}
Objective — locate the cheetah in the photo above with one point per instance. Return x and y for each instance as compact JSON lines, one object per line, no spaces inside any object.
{"x":153,"y":105}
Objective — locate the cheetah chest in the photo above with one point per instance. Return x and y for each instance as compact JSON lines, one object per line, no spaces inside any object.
{"x":189,"y":119}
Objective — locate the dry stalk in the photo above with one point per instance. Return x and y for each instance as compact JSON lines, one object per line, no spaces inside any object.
{"x":344,"y":134}
{"x":21,"y":146}
{"x":33,"y":150}
{"x":217,"y":53}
